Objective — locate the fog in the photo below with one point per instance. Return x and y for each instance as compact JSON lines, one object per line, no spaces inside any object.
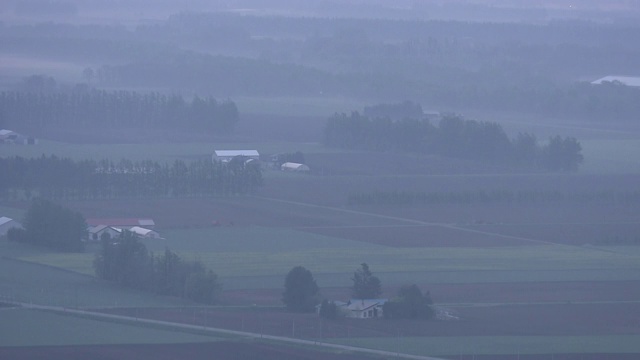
{"x":319,"y":179}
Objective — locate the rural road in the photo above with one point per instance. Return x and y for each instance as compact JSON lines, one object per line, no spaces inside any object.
{"x":214,"y":331}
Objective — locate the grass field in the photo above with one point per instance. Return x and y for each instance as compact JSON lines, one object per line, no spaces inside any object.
{"x":23,"y":327}
{"x":269,"y":253}
{"x":496,"y":345}
{"x":611,"y":156}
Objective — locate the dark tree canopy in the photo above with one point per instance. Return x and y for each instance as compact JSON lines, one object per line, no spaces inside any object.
{"x":365,"y":284}
{"x":51,"y":225}
{"x":410,"y":303}
{"x":300,"y":290}
{"x":454,"y":136}
{"x":126,"y":261}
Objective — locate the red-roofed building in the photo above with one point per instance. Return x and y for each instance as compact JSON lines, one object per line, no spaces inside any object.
{"x":124,"y":223}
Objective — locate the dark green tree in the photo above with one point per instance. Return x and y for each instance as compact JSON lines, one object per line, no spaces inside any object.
{"x":562,"y":154}
{"x":365,"y":284}
{"x":328,"y":309}
{"x":410,"y":303}
{"x":51,"y":225}
{"x":300,"y":290}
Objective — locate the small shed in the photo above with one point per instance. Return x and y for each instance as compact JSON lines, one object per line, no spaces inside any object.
{"x":7,"y":223}
{"x":294,"y":167}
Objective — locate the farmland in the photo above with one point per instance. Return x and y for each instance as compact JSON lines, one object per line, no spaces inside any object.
{"x":561,"y":274}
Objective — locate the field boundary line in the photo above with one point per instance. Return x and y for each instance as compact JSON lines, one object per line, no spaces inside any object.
{"x":415,"y":222}
{"x":211,"y":331}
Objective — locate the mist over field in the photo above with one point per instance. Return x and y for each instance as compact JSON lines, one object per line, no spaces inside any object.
{"x":321,"y":179}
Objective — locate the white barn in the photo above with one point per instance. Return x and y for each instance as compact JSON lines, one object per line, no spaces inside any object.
{"x":96,"y":232}
{"x":227,"y":155}
{"x":625,"y":80}
{"x":294,"y":167}
{"x":6,"y":224}
{"x":144,"y":233}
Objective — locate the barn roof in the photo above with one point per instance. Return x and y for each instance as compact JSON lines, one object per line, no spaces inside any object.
{"x":364,"y":304}
{"x":121,"y":222}
{"x":626,"y":80}
{"x":231,"y":153}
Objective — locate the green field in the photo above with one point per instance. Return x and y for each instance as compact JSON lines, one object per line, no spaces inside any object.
{"x":244,"y":256}
{"x":496,"y":345}
{"x":24,"y":327}
{"x":606,"y":156}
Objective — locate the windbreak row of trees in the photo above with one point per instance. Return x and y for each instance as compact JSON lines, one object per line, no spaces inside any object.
{"x":101,"y":109}
{"x":63,"y":178}
{"x":454,"y":136}
{"x":127,"y":261}
{"x":412,"y":198}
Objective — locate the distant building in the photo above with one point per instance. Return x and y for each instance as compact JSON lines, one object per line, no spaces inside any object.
{"x":122,"y":223}
{"x":6,"y":224}
{"x":226,"y":155}
{"x":12,"y":137}
{"x":294,"y":167}
{"x":360,"y":308}
{"x":144,"y":233}
{"x":96,"y":232}
{"x":624,"y":80}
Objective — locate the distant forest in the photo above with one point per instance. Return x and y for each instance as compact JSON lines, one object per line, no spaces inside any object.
{"x":95,"y":109}
{"x":454,"y":136}
{"x":62,"y":178}
{"x":542,"y":68}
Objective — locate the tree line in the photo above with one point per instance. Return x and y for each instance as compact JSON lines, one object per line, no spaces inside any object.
{"x":92,"y":108}
{"x":454,"y":136}
{"x":126,"y":261}
{"x":416,"y":198}
{"x":63,"y":178}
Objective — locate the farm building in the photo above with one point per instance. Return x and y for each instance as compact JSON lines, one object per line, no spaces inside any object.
{"x":96,"y":232}
{"x":6,"y":224}
{"x":124,"y":223}
{"x":360,"y":308}
{"x":294,"y":167}
{"x":624,"y":80}
{"x":144,"y":233}
{"x":12,"y":137}
{"x":226,"y":155}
